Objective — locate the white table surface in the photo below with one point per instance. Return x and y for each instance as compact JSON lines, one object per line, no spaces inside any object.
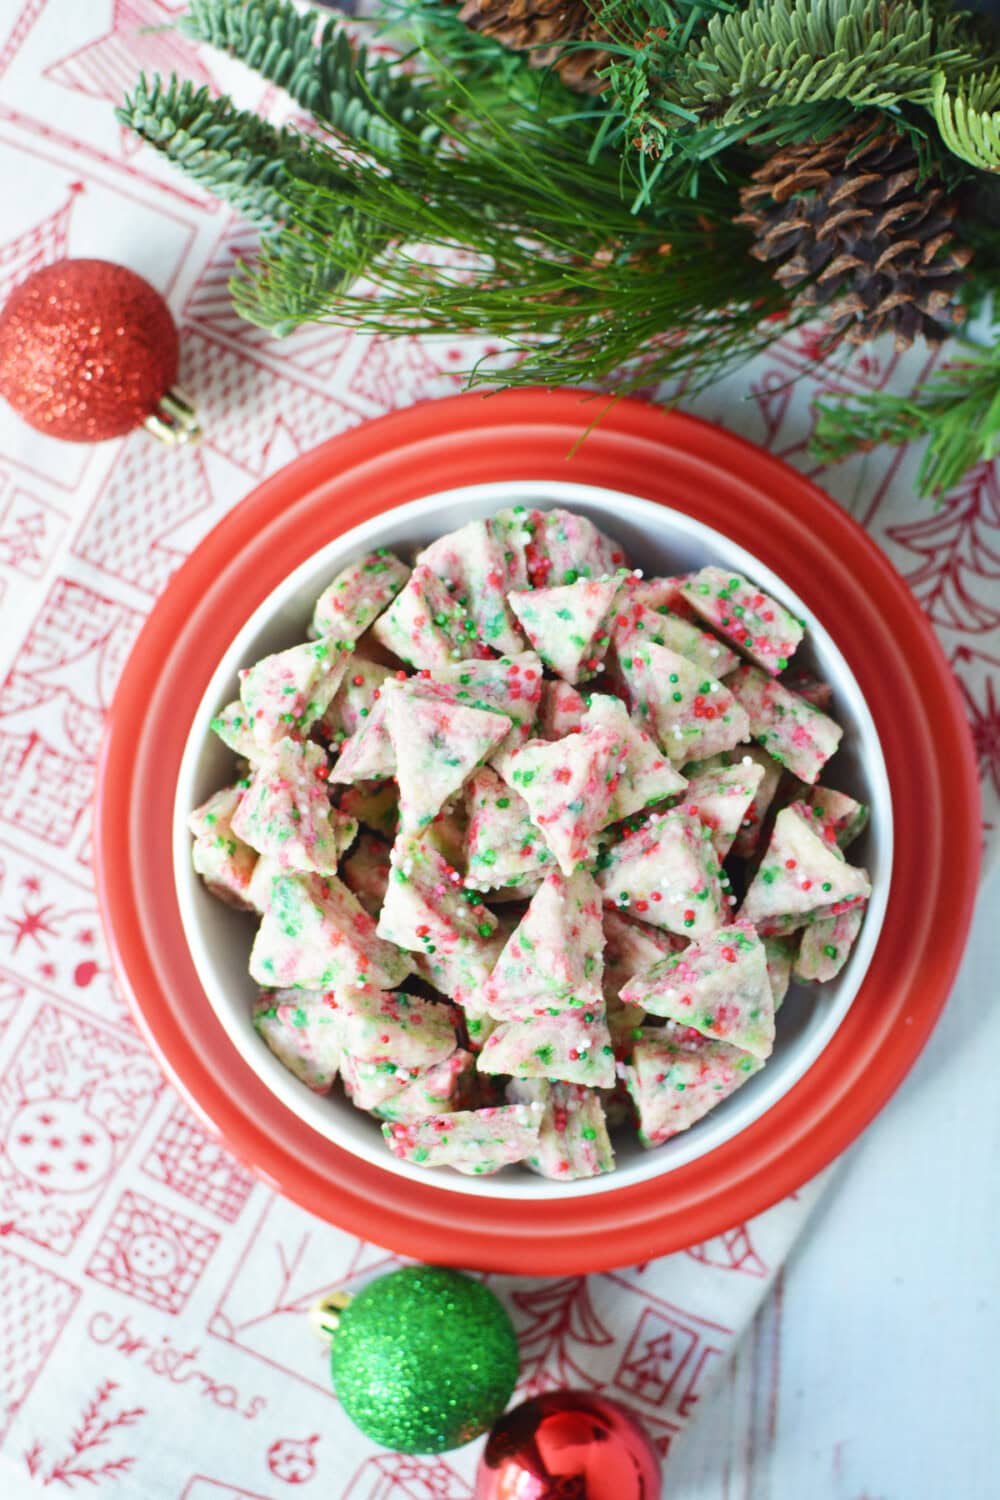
{"x":873,"y":1372}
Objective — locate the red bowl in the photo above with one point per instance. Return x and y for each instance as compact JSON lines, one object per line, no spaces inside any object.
{"x":718,"y":479}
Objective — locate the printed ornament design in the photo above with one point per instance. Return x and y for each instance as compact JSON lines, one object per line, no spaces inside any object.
{"x":293,"y":1459}
{"x":151,"y":1253}
{"x":71,"y":1101}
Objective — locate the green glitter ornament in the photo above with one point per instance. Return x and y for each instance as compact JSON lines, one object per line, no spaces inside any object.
{"x":423,"y":1359}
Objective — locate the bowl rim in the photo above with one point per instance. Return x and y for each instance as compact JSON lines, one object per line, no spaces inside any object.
{"x":768,"y":1086}
{"x":671,"y":457}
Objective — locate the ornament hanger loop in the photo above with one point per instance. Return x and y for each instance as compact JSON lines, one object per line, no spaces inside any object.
{"x":324,"y":1315}
{"x":174,"y":420}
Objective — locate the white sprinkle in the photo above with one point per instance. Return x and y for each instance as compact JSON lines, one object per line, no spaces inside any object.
{"x":731,"y":900}
{"x":713,"y":651}
{"x":747,"y":760}
{"x":715,"y":687}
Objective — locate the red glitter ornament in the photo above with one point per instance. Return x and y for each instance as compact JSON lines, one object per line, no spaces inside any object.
{"x":88,"y":350}
{"x":568,"y":1445}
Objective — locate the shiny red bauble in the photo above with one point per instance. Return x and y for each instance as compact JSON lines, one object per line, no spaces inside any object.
{"x":568,"y":1445}
{"x":87,"y":350}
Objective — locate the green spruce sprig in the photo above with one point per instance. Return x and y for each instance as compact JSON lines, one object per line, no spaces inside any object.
{"x":957,"y":411}
{"x":364,"y":100}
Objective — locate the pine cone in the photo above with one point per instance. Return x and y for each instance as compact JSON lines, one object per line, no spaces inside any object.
{"x":852,"y":226}
{"x":542,"y":28}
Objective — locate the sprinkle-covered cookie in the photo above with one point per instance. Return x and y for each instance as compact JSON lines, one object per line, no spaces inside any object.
{"x":437,"y":745}
{"x":673,"y":1086}
{"x":405,"y":1029}
{"x":475,"y":1142}
{"x":568,"y":787}
{"x":316,"y":935}
{"x":800,"y":874}
{"x":764,"y":630}
{"x":286,"y":693}
{"x":504,"y":846}
{"x":568,"y":625}
{"x":648,"y":776}
{"x":286,"y":811}
{"x":554,"y":951}
{"x":667,"y":874}
{"x":573,"y":1139}
{"x":358,"y":595}
{"x":303,"y":1032}
{"x":472,"y":563}
{"x":425,"y":625}
{"x":826,"y":945}
{"x":427,"y":906}
{"x":219,"y":855}
{"x":718,"y":986}
{"x":722,"y":797}
{"x":440,"y":1089}
{"x":574,"y":1047}
{"x":691,"y":714}
{"x":839,"y":818}
{"x":792,"y":731}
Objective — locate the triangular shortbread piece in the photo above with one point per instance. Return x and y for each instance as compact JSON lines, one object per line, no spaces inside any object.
{"x":316,"y":935}
{"x":461,"y":970}
{"x":667,"y":874}
{"x":510,"y":685}
{"x":718,"y":985}
{"x":792,"y":731}
{"x":560,"y":710}
{"x":573,"y":1139}
{"x":358,"y":595}
{"x":568,"y":1047}
{"x":224,"y":862}
{"x":673,"y":1086}
{"x":826,"y":945}
{"x":285,"y":811}
{"x":475,"y":1142}
{"x":368,"y":754}
{"x":762,"y":628}
{"x":556,"y":948}
{"x":369,"y":1085}
{"x":234,"y":727}
{"x":405,"y":1029}
{"x":427,"y":907}
{"x":303,"y":1032}
{"x":439,"y":1090}
{"x":648,"y":775}
{"x":568,"y":786}
{"x":691,"y":714}
{"x":354,"y":700}
{"x":659,"y":595}
{"x":839,"y":818}
{"x":504,"y":847}
{"x":437,"y":744}
{"x":800,"y":873}
{"x":472,"y":563}
{"x":567,"y":625}
{"x":425,"y":626}
{"x":748,"y":835}
{"x":286,"y":693}
{"x":721,"y":798}
{"x":633,"y":623}
{"x":564,"y":546}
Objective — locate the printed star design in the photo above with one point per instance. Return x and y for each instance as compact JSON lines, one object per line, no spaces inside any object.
{"x":139,"y":39}
{"x":30,"y":924}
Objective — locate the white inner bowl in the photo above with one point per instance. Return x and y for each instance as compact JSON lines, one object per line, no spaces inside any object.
{"x":660,"y":541}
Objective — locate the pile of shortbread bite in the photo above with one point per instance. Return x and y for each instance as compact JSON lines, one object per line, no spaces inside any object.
{"x":537,"y":843}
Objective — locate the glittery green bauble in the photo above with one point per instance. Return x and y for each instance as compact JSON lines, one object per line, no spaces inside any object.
{"x":424,"y":1359}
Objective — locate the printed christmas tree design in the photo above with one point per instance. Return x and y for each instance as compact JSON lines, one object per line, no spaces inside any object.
{"x":959,"y":544}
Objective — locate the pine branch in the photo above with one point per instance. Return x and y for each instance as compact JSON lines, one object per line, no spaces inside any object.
{"x":232,"y":152}
{"x":968,"y":118}
{"x":957,"y":411}
{"x":363,"y":101}
{"x":777,"y":54}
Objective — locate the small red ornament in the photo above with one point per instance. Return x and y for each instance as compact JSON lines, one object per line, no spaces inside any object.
{"x":88,"y":350}
{"x":568,"y":1445}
